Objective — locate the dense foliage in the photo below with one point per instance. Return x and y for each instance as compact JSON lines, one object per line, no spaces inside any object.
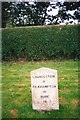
{"x":38,"y":13}
{"x":38,"y":43}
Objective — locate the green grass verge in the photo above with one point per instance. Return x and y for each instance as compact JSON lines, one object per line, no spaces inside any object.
{"x":16,"y":90}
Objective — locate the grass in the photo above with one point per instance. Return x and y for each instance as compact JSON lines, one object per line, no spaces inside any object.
{"x":16,"y":90}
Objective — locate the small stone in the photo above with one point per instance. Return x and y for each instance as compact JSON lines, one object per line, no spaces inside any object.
{"x":44,"y":94}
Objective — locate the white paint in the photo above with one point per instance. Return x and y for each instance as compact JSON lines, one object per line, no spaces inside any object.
{"x":44,"y":86}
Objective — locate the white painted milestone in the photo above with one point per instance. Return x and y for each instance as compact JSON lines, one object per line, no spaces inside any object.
{"x":44,"y":86}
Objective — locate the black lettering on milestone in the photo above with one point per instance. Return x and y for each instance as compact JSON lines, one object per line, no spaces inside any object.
{"x":44,"y":76}
{"x":44,"y":91}
{"x":34,"y":86}
{"x":43,"y":81}
{"x":44,"y":101}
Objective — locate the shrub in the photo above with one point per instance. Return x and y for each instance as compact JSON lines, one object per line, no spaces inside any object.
{"x":37,"y":43}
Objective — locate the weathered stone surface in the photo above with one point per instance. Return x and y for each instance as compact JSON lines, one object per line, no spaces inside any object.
{"x":44,"y":85}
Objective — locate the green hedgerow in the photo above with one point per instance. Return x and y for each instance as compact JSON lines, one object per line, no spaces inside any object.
{"x":38,"y":43}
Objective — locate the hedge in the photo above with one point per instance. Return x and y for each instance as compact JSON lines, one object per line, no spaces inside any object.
{"x":38,"y":43}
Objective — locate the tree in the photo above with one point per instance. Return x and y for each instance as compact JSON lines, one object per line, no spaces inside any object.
{"x":24,"y":13}
{"x":5,"y":13}
{"x":36,"y":13}
{"x":64,"y":12}
{"x":30,"y":14}
{"x":39,"y":14}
